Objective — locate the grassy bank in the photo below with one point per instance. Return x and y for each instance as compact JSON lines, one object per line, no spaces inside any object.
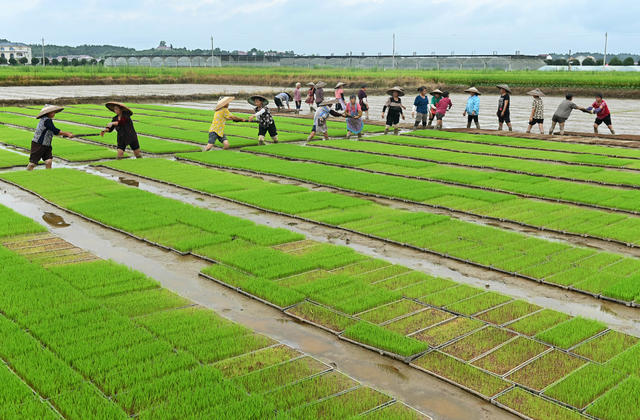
{"x":278,"y":76}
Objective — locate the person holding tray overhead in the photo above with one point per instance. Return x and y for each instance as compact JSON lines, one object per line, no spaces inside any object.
{"x":266,"y":124}
{"x":41,"y":148}
{"x":123,"y":124}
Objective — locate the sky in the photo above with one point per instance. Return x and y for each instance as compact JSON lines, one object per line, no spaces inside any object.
{"x":332,"y":26}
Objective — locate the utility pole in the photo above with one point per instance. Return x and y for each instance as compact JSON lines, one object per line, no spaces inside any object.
{"x":606,"y":39}
{"x":43,"y":62}
{"x":211,"y":50}
{"x":393,"y":53}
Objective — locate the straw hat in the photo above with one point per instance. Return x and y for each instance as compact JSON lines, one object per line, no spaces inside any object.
{"x":434,"y":91}
{"x":504,"y":86}
{"x":396,"y":89}
{"x":252,"y":100}
{"x":339,"y":85}
{"x":311,"y":84}
{"x":535,"y":92}
{"x":321,"y":84}
{"x":328,"y":102}
{"x":123,"y":107}
{"x":49,"y":109}
{"x":222,"y":102}
{"x":472,"y":89}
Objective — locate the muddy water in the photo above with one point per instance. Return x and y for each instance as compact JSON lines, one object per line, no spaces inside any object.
{"x":180,"y":274}
{"x":128,"y":181}
{"x":54,"y":220}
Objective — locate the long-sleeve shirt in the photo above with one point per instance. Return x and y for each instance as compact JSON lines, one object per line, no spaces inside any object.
{"x":264,"y":116}
{"x":473,"y":105}
{"x":45,"y":132}
{"x":125,"y":129}
{"x":443,"y":106}
{"x":339,"y":93}
{"x":283,"y":97}
{"x":297,"y":95}
{"x":319,"y":95}
{"x":421,"y":104}
{"x":602,"y":110}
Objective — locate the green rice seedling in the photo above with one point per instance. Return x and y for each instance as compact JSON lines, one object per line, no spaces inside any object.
{"x":270,"y":378}
{"x":461,"y":373}
{"x":310,"y":390}
{"x":546,"y":370}
{"x":322,"y":316}
{"x":378,"y":337}
{"x":621,"y":403}
{"x":418,"y":321}
{"x":432,"y":285}
{"x":261,"y":359}
{"x":571,"y":332}
{"x":17,"y":398}
{"x":605,"y":347}
{"x":361,"y":267}
{"x":478,"y":343}
{"x":304,"y":278}
{"x":145,"y":301}
{"x":404,"y":280}
{"x":478,"y":303}
{"x":396,"y":411}
{"x":585,"y":385}
{"x":535,"y":407}
{"x":510,"y":355}
{"x":449,"y":330}
{"x":346,"y":405}
{"x":87,"y":403}
{"x":387,"y":312}
{"x":509,"y":312}
{"x":13,"y":224}
{"x":538,"y":322}
{"x":627,"y":361}
{"x":383,"y":273}
{"x":626,"y":290}
{"x":9,"y":159}
{"x":451,"y":295}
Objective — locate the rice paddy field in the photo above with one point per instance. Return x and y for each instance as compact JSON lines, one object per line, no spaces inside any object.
{"x":88,"y":337}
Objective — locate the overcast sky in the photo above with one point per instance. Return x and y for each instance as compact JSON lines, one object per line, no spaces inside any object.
{"x":323,"y":27}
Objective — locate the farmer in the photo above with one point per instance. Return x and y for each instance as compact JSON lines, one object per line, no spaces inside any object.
{"x":601,"y":108}
{"x":297,"y":97}
{"x":320,"y":92}
{"x":436,"y":95}
{"x":41,"y":148}
{"x":443,"y":106}
{"x":281,"y":98}
{"x":220,"y":117}
{"x":266,"y":124}
{"x":563,"y":112}
{"x":311,"y":93}
{"x":363,"y":101}
{"x":338,"y":92}
{"x":504,"y":103}
{"x":537,"y":111}
{"x":472,"y":110}
{"x":421,"y":107}
{"x":395,"y":107}
{"x":323,"y":112}
{"x":353,"y":113}
{"x":123,"y":124}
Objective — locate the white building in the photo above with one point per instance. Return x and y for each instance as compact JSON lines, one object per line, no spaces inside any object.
{"x":15,"y":50}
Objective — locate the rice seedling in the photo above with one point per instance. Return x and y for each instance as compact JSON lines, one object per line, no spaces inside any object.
{"x":342,"y":406}
{"x":546,"y":370}
{"x":447,"y":331}
{"x":390,"y":311}
{"x":585,"y":385}
{"x":18,"y":400}
{"x":451,"y":295}
{"x":261,"y":359}
{"x":627,"y":361}
{"x":322,"y":316}
{"x":571,"y":332}
{"x":9,"y":159}
{"x":461,"y":373}
{"x":509,"y":312}
{"x":510,"y":355}
{"x":538,"y":322}
{"x":536,"y":408}
{"x":603,"y":348}
{"x":378,"y":337}
{"x":621,"y":403}
{"x":478,"y":303}
{"x":273,"y":377}
{"x":477,"y":343}
{"x":418,"y":321}
{"x":397,"y":411}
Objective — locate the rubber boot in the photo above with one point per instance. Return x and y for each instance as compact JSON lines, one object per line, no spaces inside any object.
{"x":396,"y":131}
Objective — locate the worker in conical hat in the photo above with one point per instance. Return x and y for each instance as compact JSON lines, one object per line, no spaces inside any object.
{"x":41,"y":148}
{"x":220,"y":117}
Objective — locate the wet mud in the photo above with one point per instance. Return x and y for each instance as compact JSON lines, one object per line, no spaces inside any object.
{"x":54,"y":220}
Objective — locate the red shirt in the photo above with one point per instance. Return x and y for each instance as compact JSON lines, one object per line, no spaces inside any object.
{"x":443,"y":106}
{"x":603,"y":109}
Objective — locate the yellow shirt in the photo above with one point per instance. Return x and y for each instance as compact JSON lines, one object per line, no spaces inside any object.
{"x":219,"y":120}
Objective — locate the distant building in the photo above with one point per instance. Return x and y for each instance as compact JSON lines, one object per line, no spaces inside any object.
{"x":77,"y":57}
{"x":15,"y":50}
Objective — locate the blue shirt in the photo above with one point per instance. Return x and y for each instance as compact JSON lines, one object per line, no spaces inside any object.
{"x":421,"y":104}
{"x":473,"y":105}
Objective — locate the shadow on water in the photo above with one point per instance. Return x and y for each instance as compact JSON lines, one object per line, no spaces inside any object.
{"x":54,"y":220}
{"x":128,"y":181}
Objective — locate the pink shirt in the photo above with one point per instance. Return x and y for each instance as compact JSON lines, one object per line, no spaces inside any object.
{"x":603,"y":109}
{"x":339,"y":93}
{"x":443,"y":106}
{"x":297,"y":96}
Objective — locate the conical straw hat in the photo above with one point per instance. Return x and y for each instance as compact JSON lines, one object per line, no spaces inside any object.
{"x":49,"y":109}
{"x":224,"y":102}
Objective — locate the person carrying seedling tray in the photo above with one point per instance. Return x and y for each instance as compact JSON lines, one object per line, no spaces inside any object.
{"x":436,"y":95}
{"x":563,"y":112}
{"x":220,"y":117}
{"x":353,"y":113}
{"x":395,"y":107}
{"x":41,"y":148}
{"x":266,"y":124}
{"x":323,"y":112}
{"x":603,"y":115}
{"x":123,"y":124}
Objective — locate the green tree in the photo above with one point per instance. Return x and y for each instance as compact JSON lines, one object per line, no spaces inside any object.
{"x":23,"y":60}
{"x":65,"y":61}
{"x":588,"y":62}
{"x":55,"y":62}
{"x":13,"y":61}
{"x":35,"y":61}
{"x":74,"y":62}
{"x":628,"y":61}
{"x":3,"y":60}
{"x":615,"y":61}
{"x":574,"y":62}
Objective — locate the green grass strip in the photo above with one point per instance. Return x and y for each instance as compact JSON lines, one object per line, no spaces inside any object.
{"x":375,"y":336}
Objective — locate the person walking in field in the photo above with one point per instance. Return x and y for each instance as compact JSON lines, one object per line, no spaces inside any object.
{"x":504,"y":104}
{"x":563,"y":112}
{"x":297,"y":97}
{"x":339,"y":95}
{"x":537,"y":111}
{"x":281,"y":98}
{"x":443,"y":106}
{"x":395,"y":109}
{"x":436,"y":95}
{"x":353,"y":114}
{"x":311,"y":96}
{"x":266,"y":124}
{"x":320,"y":92}
{"x":603,"y":115}
{"x":363,"y":101}
{"x":323,"y":112}
{"x":122,"y":123}
{"x":220,"y":117}
{"x":421,"y":108}
{"x":41,"y":148}
{"x":472,"y":110}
